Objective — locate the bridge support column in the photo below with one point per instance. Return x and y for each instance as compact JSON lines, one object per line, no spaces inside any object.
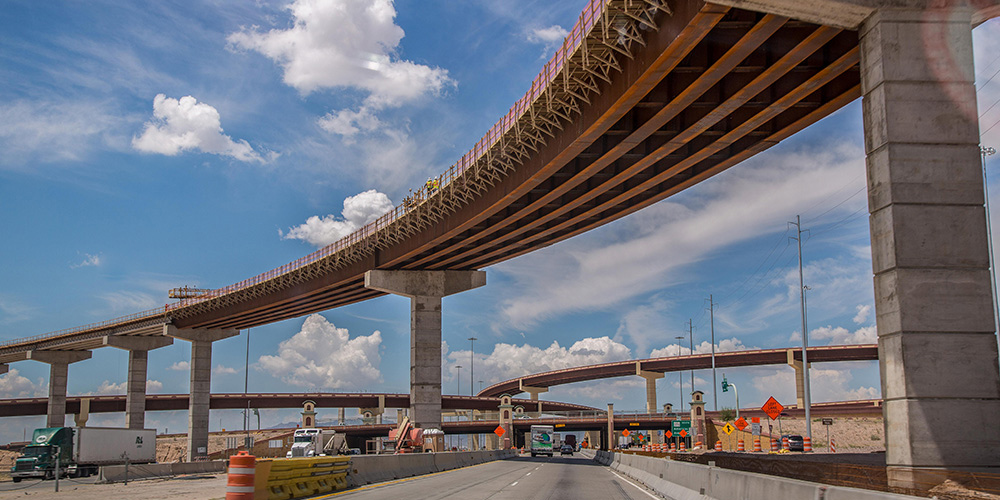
{"x":651,"y":408}
{"x":59,"y":362}
{"x":933,"y":300}
{"x":201,"y":383}
{"x":138,"y":354}
{"x":533,"y":393}
{"x":612,"y":441}
{"x":800,"y":384}
{"x":425,"y":290}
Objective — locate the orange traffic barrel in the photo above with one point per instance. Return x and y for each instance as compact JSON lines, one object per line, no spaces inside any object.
{"x":756,"y":444}
{"x":241,"y":476}
{"x":807,"y":445}
{"x":718,"y":446}
{"x":784,"y":442}
{"x":673,"y":447}
{"x":774,"y":444}
{"x":681,"y":447}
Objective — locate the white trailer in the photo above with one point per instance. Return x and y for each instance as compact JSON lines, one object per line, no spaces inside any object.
{"x":105,"y":446}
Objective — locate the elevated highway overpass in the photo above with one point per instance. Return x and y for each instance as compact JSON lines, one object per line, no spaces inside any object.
{"x":643,"y":100}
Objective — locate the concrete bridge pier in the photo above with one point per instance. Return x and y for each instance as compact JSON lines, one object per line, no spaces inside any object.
{"x":425,"y":290}
{"x":933,"y":299}
{"x":651,"y":405}
{"x":59,"y":362}
{"x":201,"y":383}
{"x":138,"y":354}
{"x":800,"y":398}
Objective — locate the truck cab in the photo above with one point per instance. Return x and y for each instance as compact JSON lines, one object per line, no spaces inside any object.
{"x":306,"y":443}
{"x":39,"y":458}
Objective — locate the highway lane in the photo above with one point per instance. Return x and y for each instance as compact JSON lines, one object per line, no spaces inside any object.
{"x":523,"y":478}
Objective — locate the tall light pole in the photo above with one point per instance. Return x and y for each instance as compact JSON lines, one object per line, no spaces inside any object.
{"x":711,"y":315}
{"x":989,"y":151}
{"x":805,"y":331}
{"x":680,"y":380}
{"x":691,"y":348}
{"x":458,"y":379}
{"x":472,"y":366}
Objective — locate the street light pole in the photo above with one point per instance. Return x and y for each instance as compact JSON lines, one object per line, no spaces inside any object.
{"x":472,"y":366}
{"x":680,"y":380}
{"x":458,"y":380}
{"x":691,"y":347}
{"x":805,"y":331}
{"x":715,"y":390}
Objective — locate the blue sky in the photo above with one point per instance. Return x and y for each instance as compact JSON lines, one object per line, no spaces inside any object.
{"x":149,"y":146}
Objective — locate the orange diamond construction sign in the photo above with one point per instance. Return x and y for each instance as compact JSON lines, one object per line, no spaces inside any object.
{"x":741,"y":423}
{"x":498,"y":431}
{"x":773,"y":408}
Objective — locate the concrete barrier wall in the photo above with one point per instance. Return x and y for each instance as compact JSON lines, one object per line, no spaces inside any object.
{"x":367,"y":469}
{"x":687,"y":481}
{"x":116,"y":473}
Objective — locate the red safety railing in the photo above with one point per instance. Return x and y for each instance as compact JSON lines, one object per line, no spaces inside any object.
{"x":586,"y":21}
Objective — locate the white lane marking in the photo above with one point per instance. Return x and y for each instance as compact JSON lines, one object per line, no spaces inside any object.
{"x":528,"y":474}
{"x":640,"y":488}
{"x":514,"y":483}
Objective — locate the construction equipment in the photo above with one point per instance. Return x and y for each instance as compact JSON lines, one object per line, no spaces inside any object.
{"x":408,"y":439}
{"x":187,"y":292}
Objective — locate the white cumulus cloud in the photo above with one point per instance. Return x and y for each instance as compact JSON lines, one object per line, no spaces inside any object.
{"x":181,"y":366}
{"x":826,"y":384}
{"x":724,"y":345}
{"x":509,"y":361}
{"x":223,"y":370}
{"x":325,"y":357}
{"x":184,"y":124}
{"x":15,"y":385}
{"x":863,"y":312}
{"x":842,"y":336}
{"x":359,"y":210}
{"x":89,"y":260}
{"x":346,"y":44}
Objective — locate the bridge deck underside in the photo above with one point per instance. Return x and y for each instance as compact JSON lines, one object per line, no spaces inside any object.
{"x":729,"y":84}
{"x":706,"y":89}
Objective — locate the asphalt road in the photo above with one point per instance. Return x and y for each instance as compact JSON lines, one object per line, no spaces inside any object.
{"x":524,"y":478}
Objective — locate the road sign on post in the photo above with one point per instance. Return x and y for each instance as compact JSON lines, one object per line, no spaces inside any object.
{"x":773,"y":408}
{"x":741,"y":423}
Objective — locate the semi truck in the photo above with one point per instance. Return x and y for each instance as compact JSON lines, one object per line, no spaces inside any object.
{"x":314,"y":442}
{"x":541,"y":440}
{"x":80,"y":451}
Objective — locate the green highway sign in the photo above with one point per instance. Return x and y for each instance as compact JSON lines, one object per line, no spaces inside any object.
{"x":678,"y":425}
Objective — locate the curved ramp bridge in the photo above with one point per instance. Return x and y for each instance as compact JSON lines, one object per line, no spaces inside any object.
{"x":647,"y":98}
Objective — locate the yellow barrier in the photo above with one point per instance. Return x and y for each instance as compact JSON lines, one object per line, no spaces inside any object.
{"x":288,"y":478}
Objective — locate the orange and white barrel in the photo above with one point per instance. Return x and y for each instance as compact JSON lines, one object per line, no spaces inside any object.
{"x":673,"y":447}
{"x":807,"y":444}
{"x":718,"y":446}
{"x":681,"y":446}
{"x":740,"y":446}
{"x":774,"y":444}
{"x":756,"y":444}
{"x":784,"y":443}
{"x":241,"y":476}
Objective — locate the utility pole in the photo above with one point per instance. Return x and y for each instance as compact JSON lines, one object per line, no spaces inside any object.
{"x":680,"y":380}
{"x":715,"y":397}
{"x":691,"y":347}
{"x":472,"y":366}
{"x":805,"y":332}
{"x":458,"y":380}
